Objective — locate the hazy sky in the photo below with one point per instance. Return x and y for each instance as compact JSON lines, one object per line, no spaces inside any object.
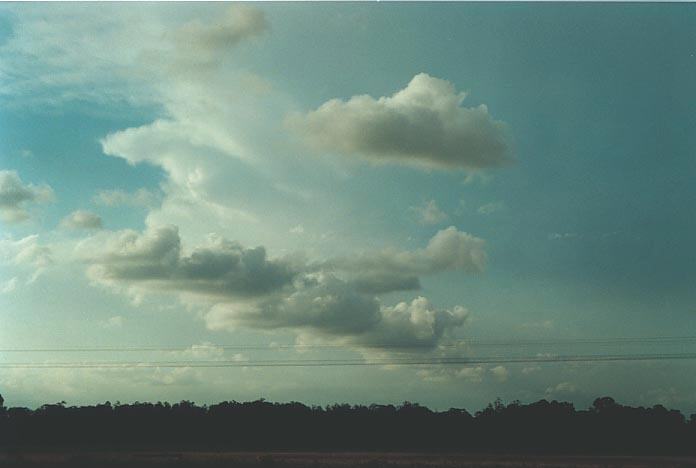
{"x":362,"y":176}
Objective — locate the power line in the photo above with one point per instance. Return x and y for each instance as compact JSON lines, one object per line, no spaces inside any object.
{"x":658,"y":340}
{"x":352,"y":362}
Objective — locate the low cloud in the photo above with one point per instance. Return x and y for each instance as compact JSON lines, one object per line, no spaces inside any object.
{"x":563,"y":235}
{"x":563,"y":388}
{"x":448,"y":250}
{"x":8,"y":286}
{"x":330,"y":307}
{"x":81,"y":219}
{"x":422,"y":125}
{"x":15,"y":195}
{"x":26,"y":253}
{"x":116,"y":321}
{"x":336,"y":299}
{"x":141,"y":197}
{"x":500,"y":373}
{"x":154,"y":259}
{"x":490,"y":208}
{"x":429,"y":213}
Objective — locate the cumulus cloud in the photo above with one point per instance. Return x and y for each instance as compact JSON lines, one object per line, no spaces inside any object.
{"x":413,"y":323}
{"x":391,"y":270}
{"x":141,"y":197}
{"x":82,"y":219}
{"x":154,"y":259}
{"x":422,"y":125}
{"x":490,"y":208}
{"x":429,"y":213}
{"x":15,"y":195}
{"x":249,"y":290}
{"x":331,"y":307}
{"x":318,"y":301}
{"x":501,"y":373}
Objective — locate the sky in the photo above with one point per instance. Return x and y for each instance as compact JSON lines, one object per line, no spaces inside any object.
{"x":365,"y":181}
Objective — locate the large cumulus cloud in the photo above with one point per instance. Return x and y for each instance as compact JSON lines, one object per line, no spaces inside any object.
{"x":155,"y":260}
{"x":330,"y":307}
{"x":423,"y":124}
{"x":337,"y":298}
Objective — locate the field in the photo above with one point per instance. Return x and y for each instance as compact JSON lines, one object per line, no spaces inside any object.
{"x":152,"y":459}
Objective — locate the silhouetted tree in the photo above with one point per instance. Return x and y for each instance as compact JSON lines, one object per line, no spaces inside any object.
{"x":543,"y":426}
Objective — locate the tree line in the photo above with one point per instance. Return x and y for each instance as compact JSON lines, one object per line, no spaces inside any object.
{"x":540,"y":427}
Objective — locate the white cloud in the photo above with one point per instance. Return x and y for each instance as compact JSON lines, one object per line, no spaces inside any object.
{"x":562,"y":235}
{"x":423,"y":125}
{"x":429,"y":213}
{"x":563,"y":388}
{"x":141,"y":197}
{"x":414,"y":323}
{"x":481,"y":177}
{"x":472,"y":374}
{"x":8,"y":286}
{"x":490,"y":208}
{"x":82,"y":219}
{"x":299,"y":229}
{"x":26,"y":253}
{"x":116,"y":321}
{"x":501,"y":373}
{"x":16,"y":195}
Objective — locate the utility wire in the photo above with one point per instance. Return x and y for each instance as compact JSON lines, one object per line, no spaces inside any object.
{"x":353,"y":362}
{"x":657,"y":340}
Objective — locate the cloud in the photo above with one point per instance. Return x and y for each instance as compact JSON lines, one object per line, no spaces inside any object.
{"x":249,"y":290}
{"x":65,"y":52}
{"x":8,"y":286}
{"x":563,"y":235}
{"x":82,"y":219}
{"x":331,"y":307}
{"x":116,"y":321}
{"x":154,"y":260}
{"x":500,"y":373}
{"x":413,"y":323}
{"x":490,"y":208}
{"x":422,"y":125}
{"x":429,"y":213}
{"x":15,"y":195}
{"x":26,"y":253}
{"x":563,"y":388}
{"x":299,"y":229}
{"x":319,"y":301}
{"x":448,"y":250}
{"x":141,"y":197}
{"x":201,"y":43}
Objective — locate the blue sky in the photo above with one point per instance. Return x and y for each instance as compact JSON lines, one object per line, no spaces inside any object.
{"x":148,"y":152}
